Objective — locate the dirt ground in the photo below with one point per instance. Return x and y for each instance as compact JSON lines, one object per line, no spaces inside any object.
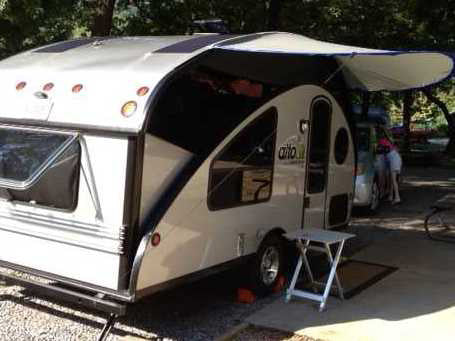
{"x":420,"y":188}
{"x":264,"y":334}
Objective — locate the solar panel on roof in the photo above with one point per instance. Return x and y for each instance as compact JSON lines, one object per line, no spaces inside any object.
{"x":68,"y":45}
{"x":194,"y":44}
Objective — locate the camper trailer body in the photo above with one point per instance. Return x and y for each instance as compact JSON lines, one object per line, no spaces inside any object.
{"x":216,"y":217}
{"x":131,"y":164}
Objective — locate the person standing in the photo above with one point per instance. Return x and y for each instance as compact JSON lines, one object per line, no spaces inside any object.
{"x":395,"y":163}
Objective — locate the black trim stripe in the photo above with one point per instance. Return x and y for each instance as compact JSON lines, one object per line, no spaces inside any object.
{"x":69,"y":45}
{"x":194,"y":44}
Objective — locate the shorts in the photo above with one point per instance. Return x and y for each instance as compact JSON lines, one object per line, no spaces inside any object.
{"x":395,"y":162}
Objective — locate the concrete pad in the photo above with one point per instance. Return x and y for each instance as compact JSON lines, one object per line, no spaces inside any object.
{"x":404,"y":306}
{"x":417,"y":302}
{"x":412,"y":251}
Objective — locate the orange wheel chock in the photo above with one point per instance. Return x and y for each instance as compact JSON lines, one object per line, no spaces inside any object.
{"x":245,"y":296}
{"x":279,"y":286}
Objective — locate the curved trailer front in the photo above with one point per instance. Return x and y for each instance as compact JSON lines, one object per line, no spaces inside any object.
{"x":208,"y":143}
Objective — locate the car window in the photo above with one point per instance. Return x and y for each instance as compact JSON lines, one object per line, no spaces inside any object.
{"x":363,"y":139}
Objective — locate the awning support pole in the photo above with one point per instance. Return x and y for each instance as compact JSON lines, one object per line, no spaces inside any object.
{"x":340,"y":67}
{"x":365,"y":104}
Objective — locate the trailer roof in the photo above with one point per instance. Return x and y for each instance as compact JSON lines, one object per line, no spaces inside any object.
{"x":111,"y":70}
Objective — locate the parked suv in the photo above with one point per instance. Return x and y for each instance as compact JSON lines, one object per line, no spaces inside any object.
{"x":372,"y":176}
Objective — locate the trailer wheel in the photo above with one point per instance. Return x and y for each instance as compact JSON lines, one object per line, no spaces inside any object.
{"x":269,"y":264}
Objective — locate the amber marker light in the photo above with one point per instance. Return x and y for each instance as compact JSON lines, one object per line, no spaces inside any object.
{"x":129,"y":108}
{"x":48,"y":87}
{"x":142,"y":91}
{"x":20,"y":86}
{"x":156,"y":239}
{"x":77,"y":88}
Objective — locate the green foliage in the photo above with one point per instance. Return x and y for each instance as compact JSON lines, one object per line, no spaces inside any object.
{"x":167,"y":17}
{"x":28,"y":23}
{"x":390,"y":24}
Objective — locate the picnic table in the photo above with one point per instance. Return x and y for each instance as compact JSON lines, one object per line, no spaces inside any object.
{"x":435,"y":224}
{"x":305,"y":240}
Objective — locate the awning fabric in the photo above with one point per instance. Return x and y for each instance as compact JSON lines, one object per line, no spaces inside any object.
{"x":363,"y":69}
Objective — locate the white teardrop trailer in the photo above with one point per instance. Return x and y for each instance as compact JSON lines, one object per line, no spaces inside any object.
{"x":131,"y":164}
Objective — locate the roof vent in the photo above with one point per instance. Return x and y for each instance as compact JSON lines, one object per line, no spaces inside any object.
{"x":209,"y":26}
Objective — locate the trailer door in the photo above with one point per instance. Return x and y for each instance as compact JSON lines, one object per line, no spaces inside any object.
{"x":340,"y":183}
{"x":317,"y":163}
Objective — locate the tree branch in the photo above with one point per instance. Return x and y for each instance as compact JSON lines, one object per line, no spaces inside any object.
{"x":450,"y":118}
{"x":432,"y":98}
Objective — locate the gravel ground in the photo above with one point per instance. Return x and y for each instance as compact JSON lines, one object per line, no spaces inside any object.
{"x":205,"y":309}
{"x":202,"y":310}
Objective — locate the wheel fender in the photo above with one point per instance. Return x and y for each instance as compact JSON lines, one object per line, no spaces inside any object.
{"x":263,"y":235}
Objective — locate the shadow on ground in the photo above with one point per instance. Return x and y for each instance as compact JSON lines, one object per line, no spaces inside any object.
{"x":417,"y":302}
{"x":207,"y":308}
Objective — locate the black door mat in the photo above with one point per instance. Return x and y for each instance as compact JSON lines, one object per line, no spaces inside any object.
{"x":356,"y":276}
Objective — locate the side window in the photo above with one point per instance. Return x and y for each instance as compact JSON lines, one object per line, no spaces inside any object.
{"x":319,"y":145}
{"x":242,"y":173}
{"x":341,"y":146}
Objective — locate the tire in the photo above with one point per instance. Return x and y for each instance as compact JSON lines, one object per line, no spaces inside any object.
{"x":268,"y":265}
{"x":375,"y":198}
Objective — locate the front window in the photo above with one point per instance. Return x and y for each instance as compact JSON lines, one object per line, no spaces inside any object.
{"x":39,"y":166}
{"x":201,"y":107}
{"x":24,"y":154}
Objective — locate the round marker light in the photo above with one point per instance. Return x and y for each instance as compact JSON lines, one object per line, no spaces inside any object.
{"x":77,"y":88}
{"x":20,"y":86}
{"x":129,"y":108}
{"x":142,"y":91}
{"x":156,"y":239}
{"x":48,"y":87}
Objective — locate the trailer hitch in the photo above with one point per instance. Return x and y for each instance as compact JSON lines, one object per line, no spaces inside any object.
{"x":100,"y":301}
{"x":110,"y":322}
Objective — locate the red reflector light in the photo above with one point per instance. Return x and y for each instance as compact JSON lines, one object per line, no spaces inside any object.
{"x":156,"y":239}
{"x":142,"y":91}
{"x":48,"y":87}
{"x":20,"y":86}
{"x":77,"y":88}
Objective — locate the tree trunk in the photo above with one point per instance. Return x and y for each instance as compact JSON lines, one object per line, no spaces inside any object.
{"x":273,"y":22}
{"x":450,"y":118}
{"x":407,"y":115}
{"x":102,"y":22}
{"x":450,"y":149}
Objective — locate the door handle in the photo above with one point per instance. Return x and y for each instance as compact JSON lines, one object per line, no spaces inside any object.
{"x":306,"y":202}
{"x":303,"y":126}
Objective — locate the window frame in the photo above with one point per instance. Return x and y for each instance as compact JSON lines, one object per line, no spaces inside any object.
{"x":50,"y":160}
{"x":308,"y":188}
{"x":240,"y":134}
